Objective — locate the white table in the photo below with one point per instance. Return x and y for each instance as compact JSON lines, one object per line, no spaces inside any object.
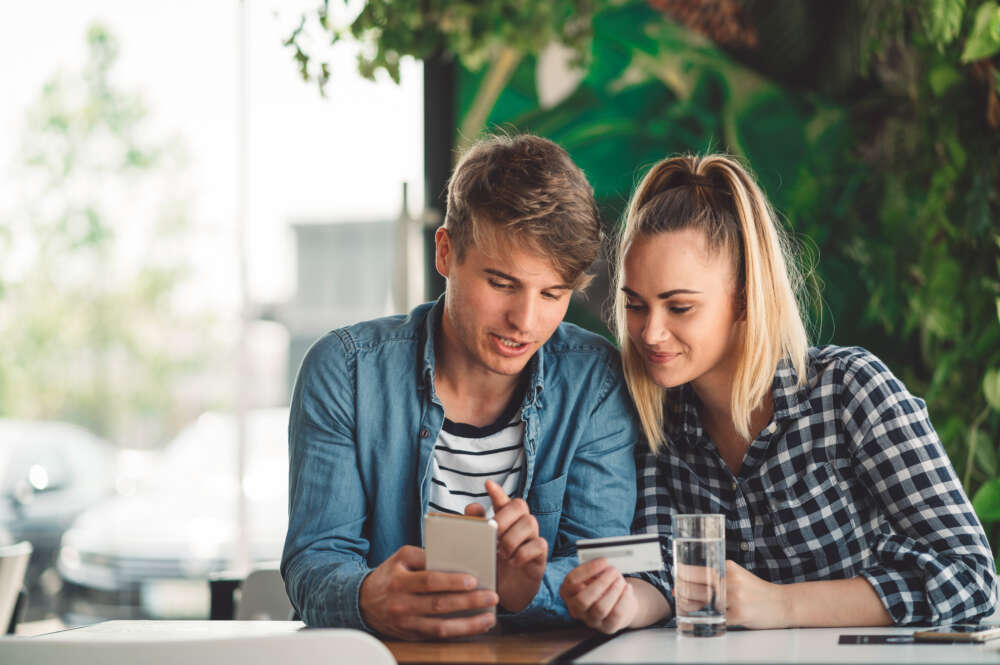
{"x":800,"y":645}
{"x":195,"y":642}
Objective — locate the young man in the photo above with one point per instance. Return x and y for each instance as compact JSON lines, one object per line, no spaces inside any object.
{"x":459,"y":406}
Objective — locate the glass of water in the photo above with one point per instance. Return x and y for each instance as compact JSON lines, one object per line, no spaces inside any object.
{"x":700,"y":574}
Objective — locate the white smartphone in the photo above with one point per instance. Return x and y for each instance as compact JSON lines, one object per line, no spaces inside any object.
{"x":959,"y":632}
{"x":462,"y":544}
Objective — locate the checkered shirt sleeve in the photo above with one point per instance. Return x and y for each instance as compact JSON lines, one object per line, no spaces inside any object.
{"x":935,"y":566}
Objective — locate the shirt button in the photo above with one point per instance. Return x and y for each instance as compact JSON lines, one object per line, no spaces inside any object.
{"x":424,"y":433}
{"x":736,"y":485}
{"x":744,"y":546}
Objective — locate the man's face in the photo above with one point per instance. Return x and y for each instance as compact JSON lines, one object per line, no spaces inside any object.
{"x":498,"y":310}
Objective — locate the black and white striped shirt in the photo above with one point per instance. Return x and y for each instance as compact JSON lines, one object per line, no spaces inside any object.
{"x":465,"y":457}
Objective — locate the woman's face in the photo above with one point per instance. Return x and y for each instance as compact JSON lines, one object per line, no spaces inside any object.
{"x":681,"y":308}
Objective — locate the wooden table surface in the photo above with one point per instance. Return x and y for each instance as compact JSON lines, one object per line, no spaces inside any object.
{"x":503,"y":645}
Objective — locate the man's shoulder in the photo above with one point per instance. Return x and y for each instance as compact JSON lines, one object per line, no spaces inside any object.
{"x":347,"y":341}
{"x":374,"y":332}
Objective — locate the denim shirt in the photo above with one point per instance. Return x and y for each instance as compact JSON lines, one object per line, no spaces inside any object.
{"x":364,"y":421}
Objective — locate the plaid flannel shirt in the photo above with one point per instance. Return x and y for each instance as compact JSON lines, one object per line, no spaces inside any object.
{"x":849,"y":479}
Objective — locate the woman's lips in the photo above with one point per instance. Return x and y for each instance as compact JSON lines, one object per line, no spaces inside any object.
{"x":660,"y":358}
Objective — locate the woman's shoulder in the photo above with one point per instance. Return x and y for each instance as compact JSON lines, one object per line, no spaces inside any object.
{"x":850,"y":364}
{"x":862,"y":380}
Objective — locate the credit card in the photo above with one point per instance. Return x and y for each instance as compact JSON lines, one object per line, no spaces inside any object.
{"x":629,"y":554}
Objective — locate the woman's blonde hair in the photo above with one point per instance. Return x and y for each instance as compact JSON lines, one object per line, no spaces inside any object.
{"x":715,"y":194}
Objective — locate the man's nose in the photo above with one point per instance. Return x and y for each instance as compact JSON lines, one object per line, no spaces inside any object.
{"x":522,"y":313}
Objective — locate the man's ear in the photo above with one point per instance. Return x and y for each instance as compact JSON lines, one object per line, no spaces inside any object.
{"x":443,"y":251}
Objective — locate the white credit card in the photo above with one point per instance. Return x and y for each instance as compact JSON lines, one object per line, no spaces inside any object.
{"x":629,"y":554}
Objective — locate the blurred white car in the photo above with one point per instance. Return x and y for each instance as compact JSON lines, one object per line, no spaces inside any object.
{"x":49,"y":472}
{"x":149,"y":554}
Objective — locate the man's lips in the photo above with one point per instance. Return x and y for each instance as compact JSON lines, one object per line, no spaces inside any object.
{"x":511,"y":342}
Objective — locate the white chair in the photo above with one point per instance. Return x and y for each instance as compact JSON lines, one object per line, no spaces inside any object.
{"x":13,"y":564}
{"x":263,"y":596}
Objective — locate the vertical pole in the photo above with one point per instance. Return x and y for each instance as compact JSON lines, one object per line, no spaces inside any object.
{"x":242,"y":563}
{"x":440,"y":78}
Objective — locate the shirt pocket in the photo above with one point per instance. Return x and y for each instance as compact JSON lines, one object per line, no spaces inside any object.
{"x":815,"y":521}
{"x":545,"y":501}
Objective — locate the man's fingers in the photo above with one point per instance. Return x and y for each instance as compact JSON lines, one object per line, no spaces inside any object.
{"x":533,"y":550}
{"x":521,"y":530}
{"x":435,"y":582}
{"x":443,"y":629}
{"x":411,"y":558}
{"x":430,"y":604}
{"x":497,"y":495}
{"x":475,"y":510}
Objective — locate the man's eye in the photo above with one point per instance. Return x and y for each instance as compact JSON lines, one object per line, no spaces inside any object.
{"x":500,"y":285}
{"x":550,"y":296}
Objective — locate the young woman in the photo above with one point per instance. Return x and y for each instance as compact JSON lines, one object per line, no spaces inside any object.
{"x":841,"y":506}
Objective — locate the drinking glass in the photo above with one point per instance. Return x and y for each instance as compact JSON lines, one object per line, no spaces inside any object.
{"x":700,"y":574}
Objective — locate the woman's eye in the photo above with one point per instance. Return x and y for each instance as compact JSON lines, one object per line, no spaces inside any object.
{"x":680,"y":310}
{"x":635,"y":307}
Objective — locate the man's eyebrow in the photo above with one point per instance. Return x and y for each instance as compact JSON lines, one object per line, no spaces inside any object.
{"x":662,"y":296}
{"x":511,"y":278}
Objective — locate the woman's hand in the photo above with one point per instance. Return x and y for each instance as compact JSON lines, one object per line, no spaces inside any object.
{"x":753,"y":603}
{"x":597,"y":594}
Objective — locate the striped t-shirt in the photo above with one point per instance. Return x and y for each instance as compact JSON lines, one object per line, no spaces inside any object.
{"x":465,"y":457}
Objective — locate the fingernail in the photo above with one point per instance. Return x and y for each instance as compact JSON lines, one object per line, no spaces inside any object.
{"x":470,"y":582}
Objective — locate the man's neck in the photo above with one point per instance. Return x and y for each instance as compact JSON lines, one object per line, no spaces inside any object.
{"x":470,"y":392}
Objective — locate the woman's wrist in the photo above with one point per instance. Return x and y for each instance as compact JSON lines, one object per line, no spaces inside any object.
{"x":789,"y":603}
{"x":650,"y":605}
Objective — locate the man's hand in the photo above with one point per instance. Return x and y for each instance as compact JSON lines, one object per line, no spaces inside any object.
{"x":597,"y":594}
{"x":521,"y":552}
{"x":755,"y":603}
{"x":400,"y":599}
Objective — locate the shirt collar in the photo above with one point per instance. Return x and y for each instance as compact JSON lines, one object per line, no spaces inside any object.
{"x":432,"y":324}
{"x":791,"y":401}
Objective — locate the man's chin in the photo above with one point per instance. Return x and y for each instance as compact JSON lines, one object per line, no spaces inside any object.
{"x":508,"y":366}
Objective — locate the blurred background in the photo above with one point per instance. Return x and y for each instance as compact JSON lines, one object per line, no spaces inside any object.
{"x":193,"y":193}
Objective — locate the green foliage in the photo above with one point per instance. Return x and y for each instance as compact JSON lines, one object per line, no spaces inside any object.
{"x":984,"y":41}
{"x":91,"y":260}
{"x":471,"y":30}
{"x":942,"y":20}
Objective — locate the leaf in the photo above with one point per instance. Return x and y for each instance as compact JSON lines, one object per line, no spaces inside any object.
{"x":991,"y":388}
{"x":984,"y":40}
{"x":942,"y":77}
{"x":986,"y":502}
{"x":942,"y":21}
{"x":986,"y":453}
